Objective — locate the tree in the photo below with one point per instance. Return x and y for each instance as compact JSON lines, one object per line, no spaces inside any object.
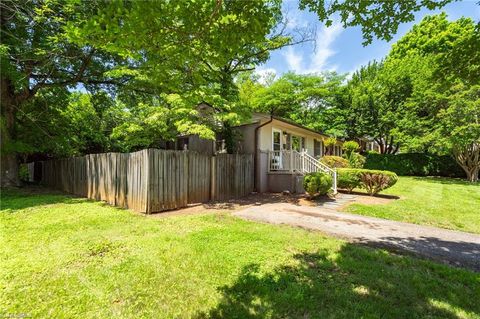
{"x":438,"y":56}
{"x":374,"y":105}
{"x":376,"y":17}
{"x":199,"y":46}
{"x":158,"y":55}
{"x":310,"y":100}
{"x":398,"y":101}
{"x":459,"y":128}
{"x":36,"y":57}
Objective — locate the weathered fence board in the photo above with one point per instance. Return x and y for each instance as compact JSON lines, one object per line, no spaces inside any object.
{"x":152,"y":180}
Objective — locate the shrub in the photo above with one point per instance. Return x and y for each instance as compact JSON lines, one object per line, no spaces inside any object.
{"x":350,"y":147}
{"x":23,"y":173}
{"x":415,"y":164}
{"x":318,"y":183}
{"x":348,"y":178}
{"x":334,"y":161}
{"x":375,"y":181}
{"x":355,"y":160}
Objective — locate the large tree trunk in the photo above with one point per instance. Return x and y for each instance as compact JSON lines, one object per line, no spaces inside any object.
{"x":9,"y":164}
{"x":469,"y":159}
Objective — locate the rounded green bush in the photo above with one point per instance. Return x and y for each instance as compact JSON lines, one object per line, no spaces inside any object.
{"x":350,"y":147}
{"x":316,"y":184}
{"x":355,"y":160}
{"x":373,"y":181}
{"x":348,"y":178}
{"x":334,"y":161}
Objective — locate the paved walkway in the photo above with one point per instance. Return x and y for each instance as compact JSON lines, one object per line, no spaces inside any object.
{"x":453,"y":247}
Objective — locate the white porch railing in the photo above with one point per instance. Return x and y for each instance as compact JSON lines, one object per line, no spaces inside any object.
{"x":299,"y":162}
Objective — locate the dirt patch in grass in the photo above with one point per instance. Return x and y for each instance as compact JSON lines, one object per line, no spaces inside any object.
{"x":372,"y":200}
{"x":271,"y":198}
{"x":254,"y":199}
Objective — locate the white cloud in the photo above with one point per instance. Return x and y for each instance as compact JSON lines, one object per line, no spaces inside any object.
{"x":294,"y":59}
{"x":265,"y":74}
{"x":319,"y":60}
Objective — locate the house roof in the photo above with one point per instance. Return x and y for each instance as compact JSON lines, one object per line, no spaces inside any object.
{"x":281,"y":119}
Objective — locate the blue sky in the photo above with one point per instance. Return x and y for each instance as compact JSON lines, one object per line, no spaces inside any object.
{"x":341,"y":49}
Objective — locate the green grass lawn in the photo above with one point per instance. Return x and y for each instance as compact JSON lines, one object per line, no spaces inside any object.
{"x":439,"y":202}
{"x":64,"y":257}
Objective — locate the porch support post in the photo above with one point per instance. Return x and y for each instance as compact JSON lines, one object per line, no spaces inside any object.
{"x":291,"y":161}
{"x":303,"y":161}
{"x":334,"y":181}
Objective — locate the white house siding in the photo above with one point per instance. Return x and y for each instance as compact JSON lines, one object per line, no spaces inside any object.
{"x":266,"y":135}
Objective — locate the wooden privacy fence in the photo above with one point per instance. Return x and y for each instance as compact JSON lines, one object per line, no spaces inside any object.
{"x":152,"y":180}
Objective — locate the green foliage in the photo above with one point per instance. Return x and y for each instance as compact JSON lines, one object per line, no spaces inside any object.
{"x":23,"y":173}
{"x":375,"y":93}
{"x":350,"y":147}
{"x":459,"y":128}
{"x":334,"y":161}
{"x":415,"y":164}
{"x":399,"y":102}
{"x":148,"y":64}
{"x":318,"y":183}
{"x":355,"y":160}
{"x":376,"y":18}
{"x":374,"y":181}
{"x":348,"y":178}
{"x":310,"y":100}
{"x":329,"y":142}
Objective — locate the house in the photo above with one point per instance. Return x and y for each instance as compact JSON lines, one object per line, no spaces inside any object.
{"x":368,"y":144}
{"x":284,"y":151}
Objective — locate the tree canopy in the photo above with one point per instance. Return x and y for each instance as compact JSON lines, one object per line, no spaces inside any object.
{"x":378,"y":19}
{"x":155,"y":61}
{"x":93,"y":76}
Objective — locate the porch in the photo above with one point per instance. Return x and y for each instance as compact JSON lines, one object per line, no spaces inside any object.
{"x":286,"y":169}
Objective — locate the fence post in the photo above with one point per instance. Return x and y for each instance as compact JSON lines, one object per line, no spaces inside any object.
{"x":213,"y":178}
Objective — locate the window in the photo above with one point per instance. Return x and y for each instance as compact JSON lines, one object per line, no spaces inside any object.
{"x":286,"y":141}
{"x":276,"y":140}
{"x":317,"y":148}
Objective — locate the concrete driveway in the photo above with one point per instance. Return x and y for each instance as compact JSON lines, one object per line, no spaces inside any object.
{"x":452,"y":247}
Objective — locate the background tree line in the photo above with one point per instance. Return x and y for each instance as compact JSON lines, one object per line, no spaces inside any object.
{"x":424,"y":96}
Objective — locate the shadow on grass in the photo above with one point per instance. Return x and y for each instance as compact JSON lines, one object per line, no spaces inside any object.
{"x":357,"y":283}
{"x":464,"y":254}
{"x":364,"y":193}
{"x":445,"y":180}
{"x":13,"y":199}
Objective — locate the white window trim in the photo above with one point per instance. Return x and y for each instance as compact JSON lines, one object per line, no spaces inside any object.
{"x":273,"y":140}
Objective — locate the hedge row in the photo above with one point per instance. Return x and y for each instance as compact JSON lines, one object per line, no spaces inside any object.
{"x":415,"y":164}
